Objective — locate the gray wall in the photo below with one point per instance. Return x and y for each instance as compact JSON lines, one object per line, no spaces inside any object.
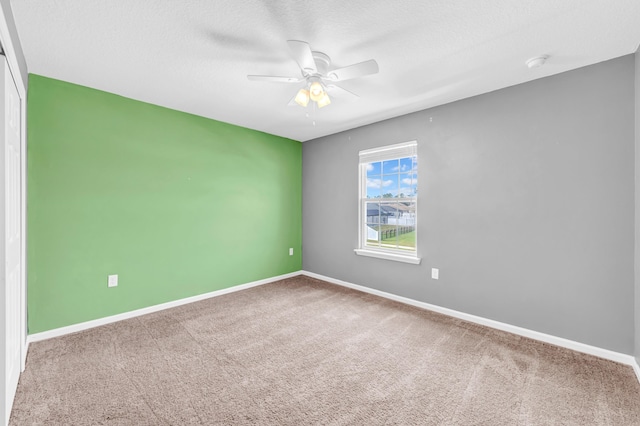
{"x":526,"y":205}
{"x":637,"y":202}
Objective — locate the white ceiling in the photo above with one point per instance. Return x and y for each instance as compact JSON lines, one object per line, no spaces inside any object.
{"x":194,"y":55}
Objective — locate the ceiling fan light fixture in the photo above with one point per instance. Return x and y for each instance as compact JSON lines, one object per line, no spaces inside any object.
{"x":318,"y":76}
{"x":316,"y":91}
{"x":324,"y":101}
{"x":302,"y":98}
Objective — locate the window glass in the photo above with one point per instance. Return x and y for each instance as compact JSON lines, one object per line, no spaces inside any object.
{"x":389,"y":198}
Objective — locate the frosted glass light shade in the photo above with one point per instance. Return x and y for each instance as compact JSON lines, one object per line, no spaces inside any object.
{"x":316,"y":91}
{"x":324,"y":101}
{"x":302,"y":98}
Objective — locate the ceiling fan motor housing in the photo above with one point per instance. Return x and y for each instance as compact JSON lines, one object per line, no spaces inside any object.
{"x":322,"y":63}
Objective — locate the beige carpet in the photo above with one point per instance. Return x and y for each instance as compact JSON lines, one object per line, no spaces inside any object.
{"x":302,"y":351}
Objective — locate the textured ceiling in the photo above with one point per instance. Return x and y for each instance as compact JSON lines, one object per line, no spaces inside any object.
{"x":194,"y":56}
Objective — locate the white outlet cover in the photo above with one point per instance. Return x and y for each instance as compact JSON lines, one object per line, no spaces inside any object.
{"x":291,"y":251}
{"x":112,"y":281}
{"x":435,"y":273}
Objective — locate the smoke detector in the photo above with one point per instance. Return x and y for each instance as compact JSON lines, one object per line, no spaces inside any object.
{"x":537,"y":62}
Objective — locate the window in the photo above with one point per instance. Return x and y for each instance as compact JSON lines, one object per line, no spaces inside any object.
{"x":388,"y":202}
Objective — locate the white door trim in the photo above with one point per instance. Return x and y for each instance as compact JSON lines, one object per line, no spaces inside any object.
{"x":23,"y":231}
{"x":9,"y":50}
{"x":12,"y":268}
{"x":8,"y":44}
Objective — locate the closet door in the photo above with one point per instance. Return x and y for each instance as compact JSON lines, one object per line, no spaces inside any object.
{"x":10,"y":225}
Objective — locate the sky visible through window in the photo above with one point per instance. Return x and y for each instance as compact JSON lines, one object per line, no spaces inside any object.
{"x":393,"y":178}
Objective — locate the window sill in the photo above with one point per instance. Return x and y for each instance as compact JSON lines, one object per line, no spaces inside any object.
{"x":388,"y":256}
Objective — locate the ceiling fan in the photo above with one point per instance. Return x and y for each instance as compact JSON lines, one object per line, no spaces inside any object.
{"x":319,"y":79}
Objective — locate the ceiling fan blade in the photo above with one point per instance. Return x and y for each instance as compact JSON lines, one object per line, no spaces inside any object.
{"x":356,"y":70}
{"x":301,"y":52}
{"x":341,"y":92}
{"x":292,"y":102}
{"x":274,"y":78}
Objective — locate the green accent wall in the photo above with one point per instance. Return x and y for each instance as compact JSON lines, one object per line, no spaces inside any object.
{"x":176,"y":204}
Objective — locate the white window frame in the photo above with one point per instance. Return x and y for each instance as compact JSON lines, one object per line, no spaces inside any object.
{"x":389,"y":152}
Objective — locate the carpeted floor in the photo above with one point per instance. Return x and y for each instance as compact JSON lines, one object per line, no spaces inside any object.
{"x":301,"y":351}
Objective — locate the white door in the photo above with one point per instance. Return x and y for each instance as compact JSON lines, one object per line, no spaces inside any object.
{"x":11,"y":305}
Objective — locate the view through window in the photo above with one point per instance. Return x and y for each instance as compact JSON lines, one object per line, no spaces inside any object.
{"x":388,"y":197}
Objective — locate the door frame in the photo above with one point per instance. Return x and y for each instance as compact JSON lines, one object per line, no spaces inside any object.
{"x":8,"y":43}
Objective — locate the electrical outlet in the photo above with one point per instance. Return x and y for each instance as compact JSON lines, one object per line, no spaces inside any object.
{"x":112,"y":281}
{"x":435,"y":273}
{"x":291,"y":251}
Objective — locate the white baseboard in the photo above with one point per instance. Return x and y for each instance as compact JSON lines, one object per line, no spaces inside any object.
{"x":547,"y":338}
{"x":636,"y":368}
{"x":23,"y":355}
{"x":49,"y":334}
